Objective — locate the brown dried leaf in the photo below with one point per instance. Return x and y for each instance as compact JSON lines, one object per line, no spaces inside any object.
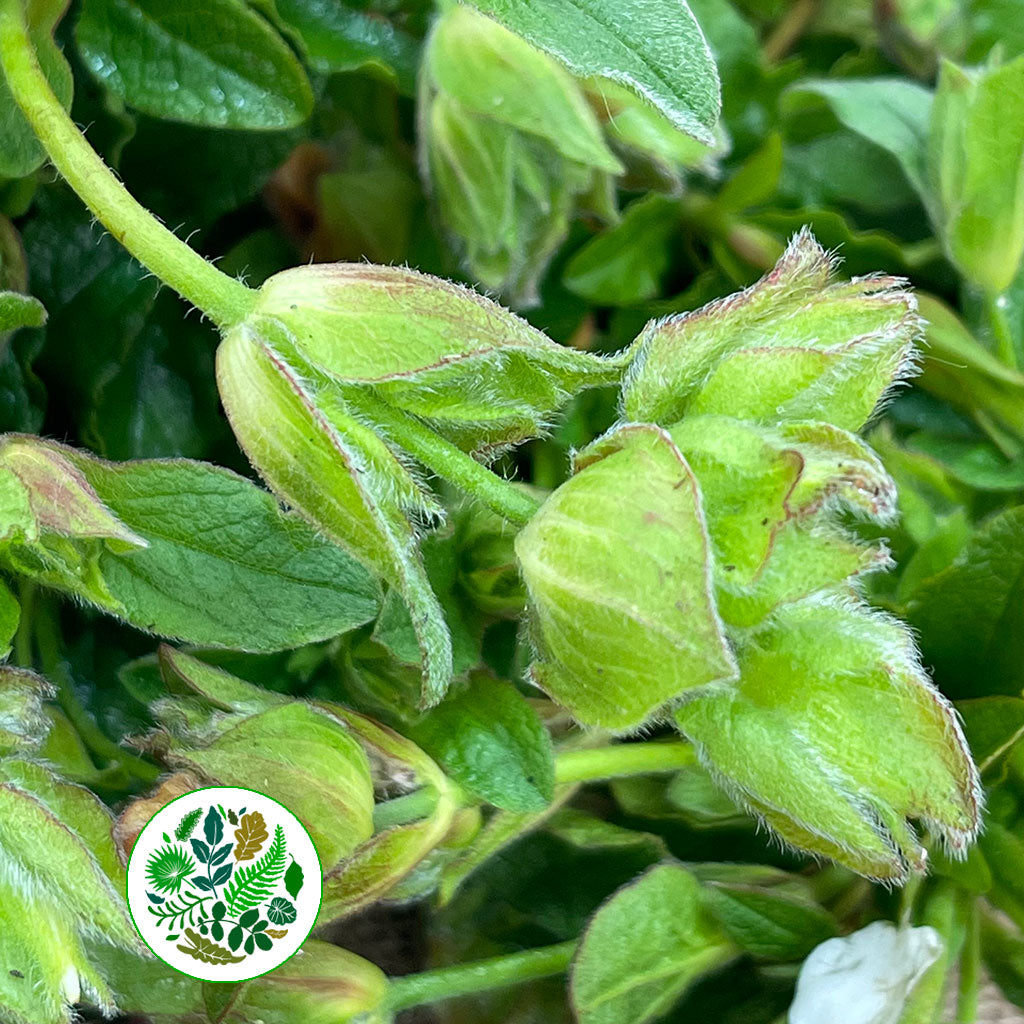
{"x":277,"y":933}
{"x":251,"y":835}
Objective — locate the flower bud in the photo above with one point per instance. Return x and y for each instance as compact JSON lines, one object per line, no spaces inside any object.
{"x":834,"y":736}
{"x":617,"y":566}
{"x":977,"y":136}
{"x":300,"y":755}
{"x":321,"y":984}
{"x":510,"y":146}
{"x":770,"y":494}
{"x":792,"y":346}
{"x":488,"y":571}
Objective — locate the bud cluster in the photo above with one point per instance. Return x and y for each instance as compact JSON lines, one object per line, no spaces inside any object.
{"x":700,"y":567}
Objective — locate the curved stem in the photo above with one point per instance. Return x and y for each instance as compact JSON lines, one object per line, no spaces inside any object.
{"x":482,"y":976}
{"x":1006,"y":350}
{"x":96,"y":740}
{"x":223,"y":299}
{"x":450,"y":462}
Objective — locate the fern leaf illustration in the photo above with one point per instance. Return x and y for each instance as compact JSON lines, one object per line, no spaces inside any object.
{"x":188,"y":824}
{"x":255,"y":882}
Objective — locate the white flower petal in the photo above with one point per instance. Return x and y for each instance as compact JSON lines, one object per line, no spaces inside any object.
{"x":864,"y":978}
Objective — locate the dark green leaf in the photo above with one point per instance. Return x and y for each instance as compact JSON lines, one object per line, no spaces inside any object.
{"x":654,"y":47}
{"x":489,"y":740}
{"x":206,"y":62}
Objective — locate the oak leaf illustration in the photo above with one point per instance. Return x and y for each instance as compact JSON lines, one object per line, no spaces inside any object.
{"x":207,"y":950}
{"x":251,"y":835}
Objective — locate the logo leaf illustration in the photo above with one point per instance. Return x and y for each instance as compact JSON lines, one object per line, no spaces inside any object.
{"x":167,"y":868}
{"x":293,"y":878}
{"x":213,"y":826}
{"x":187,"y":825}
{"x":254,"y":883}
{"x":251,"y":835}
{"x":277,"y":933}
{"x":207,"y":950}
{"x":281,"y":911}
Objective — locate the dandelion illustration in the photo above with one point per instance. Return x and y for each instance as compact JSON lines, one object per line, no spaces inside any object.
{"x":168,"y":867}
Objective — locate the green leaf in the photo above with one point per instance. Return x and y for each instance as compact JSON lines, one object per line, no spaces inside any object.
{"x":17,"y":310}
{"x":206,"y":62}
{"x":222,"y":564}
{"x":293,"y":879}
{"x":893,"y":113}
{"x":21,"y":153}
{"x":338,"y":38}
{"x":10,"y":616}
{"x":975,"y":160}
{"x":207,"y":950}
{"x":643,"y":948}
{"x":770,"y":924}
{"x":655,"y":47}
{"x":626,"y":264}
{"x":972,"y":613}
{"x":490,"y":741}
{"x":993,"y":726}
{"x":1003,"y":953}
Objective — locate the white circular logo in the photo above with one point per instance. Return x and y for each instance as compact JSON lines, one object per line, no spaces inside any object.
{"x":224,"y":884}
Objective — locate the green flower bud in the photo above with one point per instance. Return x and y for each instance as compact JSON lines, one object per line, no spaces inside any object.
{"x":617,"y":566}
{"x":333,"y":369}
{"x":770,"y":494}
{"x":321,"y":984}
{"x":300,"y":755}
{"x":977,"y":139}
{"x":488,"y":571}
{"x":510,"y":146}
{"x":834,"y":737}
{"x":793,"y":346}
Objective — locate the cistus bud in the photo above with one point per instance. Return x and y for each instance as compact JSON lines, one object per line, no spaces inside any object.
{"x":796,"y":345}
{"x":509,"y":146}
{"x":974,"y":163}
{"x":834,"y":737}
{"x":488,"y":572}
{"x":770,"y":496}
{"x":302,"y":756}
{"x":321,"y":984}
{"x":617,"y":566}
{"x":331,"y":357}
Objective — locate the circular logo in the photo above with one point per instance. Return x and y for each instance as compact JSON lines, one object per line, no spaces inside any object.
{"x":224,"y":884}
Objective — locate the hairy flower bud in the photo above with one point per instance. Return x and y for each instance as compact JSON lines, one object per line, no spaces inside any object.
{"x":834,"y":737}
{"x":335,"y":366}
{"x":793,"y":346}
{"x":510,"y":145}
{"x":617,"y":567}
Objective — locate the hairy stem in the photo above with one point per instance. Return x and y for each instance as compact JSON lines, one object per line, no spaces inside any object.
{"x":223,"y":299}
{"x":622,"y":760}
{"x":482,"y":976}
{"x":451,"y":463}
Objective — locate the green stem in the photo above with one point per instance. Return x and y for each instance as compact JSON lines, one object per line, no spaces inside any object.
{"x":970,"y":969}
{"x":482,"y":976}
{"x":56,"y":671}
{"x":403,"y":809}
{"x":621,"y":760}
{"x":999,"y":325}
{"x":23,"y":637}
{"x":450,"y":462}
{"x":223,"y":299}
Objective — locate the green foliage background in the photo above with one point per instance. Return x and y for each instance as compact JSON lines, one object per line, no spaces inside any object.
{"x":278,"y":132}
